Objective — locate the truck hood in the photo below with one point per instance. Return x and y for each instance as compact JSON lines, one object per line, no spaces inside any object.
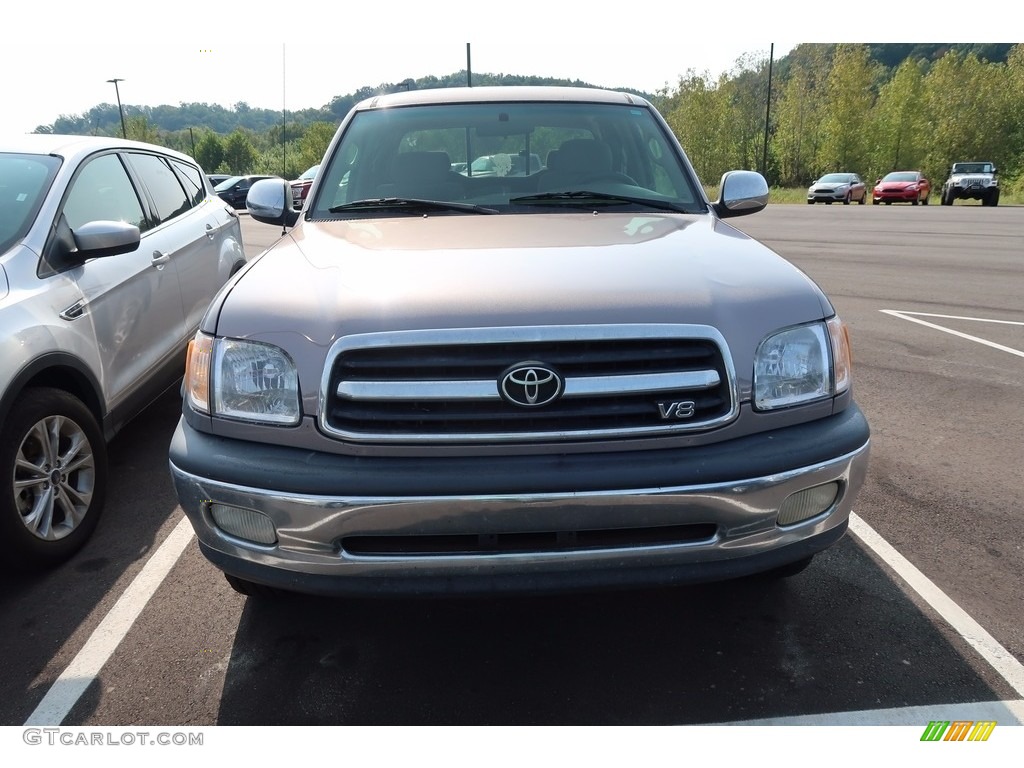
{"x":324,"y":280}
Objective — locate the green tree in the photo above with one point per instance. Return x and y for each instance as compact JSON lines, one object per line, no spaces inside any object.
{"x":799,"y":125}
{"x":210,"y":152}
{"x":745,"y":90}
{"x":279,"y":160}
{"x":849,"y":99}
{"x":698,"y":113}
{"x":899,"y":125}
{"x":138,"y":129}
{"x":967,"y":113}
{"x":239,"y":153}
{"x":313,"y":145}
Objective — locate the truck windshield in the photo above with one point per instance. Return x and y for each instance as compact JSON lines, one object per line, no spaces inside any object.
{"x":491,"y":153}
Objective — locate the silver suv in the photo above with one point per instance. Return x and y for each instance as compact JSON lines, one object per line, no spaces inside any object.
{"x":579,"y":376}
{"x":110,"y":253}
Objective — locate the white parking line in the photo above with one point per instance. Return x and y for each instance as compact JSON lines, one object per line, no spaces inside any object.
{"x":86,"y":666}
{"x":908,"y":316}
{"x":1003,"y":712}
{"x":1001,"y":660}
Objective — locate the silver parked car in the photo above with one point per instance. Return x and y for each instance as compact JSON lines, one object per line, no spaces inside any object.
{"x":580,"y":376}
{"x":110,"y":253}
{"x":842,"y":188}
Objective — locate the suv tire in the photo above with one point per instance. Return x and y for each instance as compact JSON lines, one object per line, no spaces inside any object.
{"x":40,"y":527}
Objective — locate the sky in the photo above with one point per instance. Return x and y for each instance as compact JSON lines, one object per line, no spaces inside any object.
{"x":299,"y":55}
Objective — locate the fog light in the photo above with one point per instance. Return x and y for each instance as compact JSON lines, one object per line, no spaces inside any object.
{"x":807,"y":503}
{"x":244,"y":523}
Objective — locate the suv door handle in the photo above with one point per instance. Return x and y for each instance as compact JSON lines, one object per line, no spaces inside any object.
{"x":159,"y":259}
{"x":210,"y":231}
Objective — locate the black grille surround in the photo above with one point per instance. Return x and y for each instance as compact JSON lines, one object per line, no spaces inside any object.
{"x":444,"y":385}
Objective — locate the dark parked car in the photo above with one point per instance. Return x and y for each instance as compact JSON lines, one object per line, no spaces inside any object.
{"x":577,"y":377}
{"x":110,"y":253}
{"x":217,"y":178}
{"x":842,"y":188}
{"x":235,"y":189}
{"x":901,"y":187}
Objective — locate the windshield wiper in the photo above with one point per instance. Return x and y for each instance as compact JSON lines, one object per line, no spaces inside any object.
{"x":582,"y":197}
{"x":410,"y":204}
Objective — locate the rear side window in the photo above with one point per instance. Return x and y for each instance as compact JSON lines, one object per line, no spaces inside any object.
{"x":102,"y":191}
{"x":168,"y":196}
{"x":192,"y":178}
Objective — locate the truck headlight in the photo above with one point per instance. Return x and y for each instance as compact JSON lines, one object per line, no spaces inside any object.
{"x":245,"y":380}
{"x":800,"y":365}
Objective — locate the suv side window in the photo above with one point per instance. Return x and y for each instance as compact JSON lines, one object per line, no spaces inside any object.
{"x":163,"y":185}
{"x":192,"y":178}
{"x":103,"y":192}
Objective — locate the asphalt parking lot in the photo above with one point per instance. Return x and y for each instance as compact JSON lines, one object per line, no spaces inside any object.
{"x":916,"y":615}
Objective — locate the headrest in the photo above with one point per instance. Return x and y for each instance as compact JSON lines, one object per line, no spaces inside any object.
{"x":583,"y":156}
{"x":421,"y":165}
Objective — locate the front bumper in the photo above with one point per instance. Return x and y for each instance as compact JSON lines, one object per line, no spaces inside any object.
{"x":902,"y":196}
{"x":828,"y":195}
{"x":534,"y":522}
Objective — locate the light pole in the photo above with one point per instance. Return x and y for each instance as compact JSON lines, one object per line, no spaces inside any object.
{"x":120,"y":109}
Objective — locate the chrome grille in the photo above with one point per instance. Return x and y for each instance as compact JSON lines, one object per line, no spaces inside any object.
{"x":443,"y":385}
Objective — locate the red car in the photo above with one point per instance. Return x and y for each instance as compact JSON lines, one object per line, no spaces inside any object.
{"x":300,"y":187}
{"x":901,"y":187}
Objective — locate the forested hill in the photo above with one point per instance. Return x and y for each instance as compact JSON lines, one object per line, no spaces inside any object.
{"x":104,"y":118}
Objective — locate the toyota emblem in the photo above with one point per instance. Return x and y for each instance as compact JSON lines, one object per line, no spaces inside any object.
{"x":530,"y":385}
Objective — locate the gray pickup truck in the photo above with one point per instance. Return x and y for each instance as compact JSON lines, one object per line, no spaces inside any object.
{"x":576,"y":377}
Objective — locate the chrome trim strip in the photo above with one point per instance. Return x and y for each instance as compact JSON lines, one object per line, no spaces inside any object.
{"x":488,"y":389}
{"x":639,"y":384}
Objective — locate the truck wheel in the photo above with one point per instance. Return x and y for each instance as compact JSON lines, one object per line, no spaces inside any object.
{"x":993,"y":198}
{"x":53,"y":479}
{"x":252,"y":589}
{"x":810,"y":202}
{"x":790,"y":569}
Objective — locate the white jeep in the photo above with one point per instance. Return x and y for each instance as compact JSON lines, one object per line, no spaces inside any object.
{"x":972,"y":181}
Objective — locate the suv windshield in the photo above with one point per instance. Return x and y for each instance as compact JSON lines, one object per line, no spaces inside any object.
{"x":972,"y":168}
{"x":502,"y":155}
{"x":24,"y":180}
